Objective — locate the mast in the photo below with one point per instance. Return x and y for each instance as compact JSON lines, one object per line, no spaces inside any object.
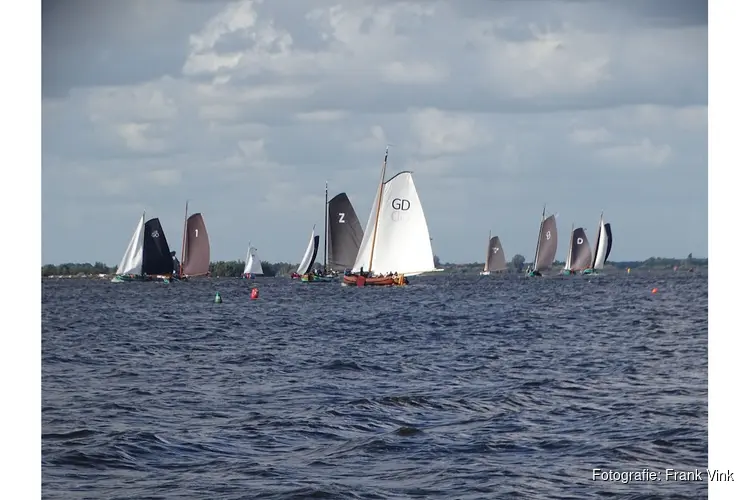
{"x":325,"y":235}
{"x":539,"y":238}
{"x":377,"y":213}
{"x":487,"y":260}
{"x":184,"y":235}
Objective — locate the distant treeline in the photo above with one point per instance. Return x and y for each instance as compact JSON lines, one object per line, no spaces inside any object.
{"x":234,"y":268}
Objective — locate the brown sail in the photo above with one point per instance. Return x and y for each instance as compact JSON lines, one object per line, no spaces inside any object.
{"x":197,"y":248}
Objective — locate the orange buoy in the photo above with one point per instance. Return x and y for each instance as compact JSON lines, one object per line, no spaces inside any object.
{"x":654,"y":290}
{"x":254,"y":294}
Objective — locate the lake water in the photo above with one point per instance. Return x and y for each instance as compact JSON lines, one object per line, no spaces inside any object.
{"x":455,"y":387}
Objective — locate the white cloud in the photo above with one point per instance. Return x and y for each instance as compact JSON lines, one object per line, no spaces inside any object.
{"x":438,"y":132}
{"x":636,"y":154}
{"x":590,"y":136}
{"x":327,"y":115}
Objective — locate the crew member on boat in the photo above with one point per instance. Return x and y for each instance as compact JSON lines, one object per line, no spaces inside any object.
{"x":175,"y":264}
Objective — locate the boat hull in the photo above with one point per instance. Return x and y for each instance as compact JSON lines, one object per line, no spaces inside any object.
{"x":311,"y":278}
{"x":533,"y":274}
{"x":358,"y":280}
{"x":484,"y":273}
{"x":128,"y":278}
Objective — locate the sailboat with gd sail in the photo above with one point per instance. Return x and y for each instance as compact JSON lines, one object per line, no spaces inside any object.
{"x":546,"y":245}
{"x":147,"y":256}
{"x":396,"y":241}
{"x":495,"y":260}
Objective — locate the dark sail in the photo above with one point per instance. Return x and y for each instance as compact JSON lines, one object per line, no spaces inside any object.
{"x":608,"y":229}
{"x":156,"y":255}
{"x":495,"y":255}
{"x":580,"y":253}
{"x":344,"y":233}
{"x":547,"y":244}
{"x":315,"y":254}
{"x":197,"y":249}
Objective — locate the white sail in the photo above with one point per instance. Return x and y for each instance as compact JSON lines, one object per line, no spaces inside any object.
{"x":568,"y":262}
{"x":132,"y":261}
{"x":252,"y":262}
{"x":402,"y":242}
{"x":307,"y":258}
{"x":601,"y":247}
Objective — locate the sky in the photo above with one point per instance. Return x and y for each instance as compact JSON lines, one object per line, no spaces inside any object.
{"x":497,"y":107}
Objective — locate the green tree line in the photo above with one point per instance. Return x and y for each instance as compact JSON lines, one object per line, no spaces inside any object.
{"x":234,"y":268}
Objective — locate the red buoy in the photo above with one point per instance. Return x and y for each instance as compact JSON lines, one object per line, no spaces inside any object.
{"x":254,"y":294}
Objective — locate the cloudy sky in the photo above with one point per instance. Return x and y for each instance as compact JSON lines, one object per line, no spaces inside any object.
{"x":498,"y":107}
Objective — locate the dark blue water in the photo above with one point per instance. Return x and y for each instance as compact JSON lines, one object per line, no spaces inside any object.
{"x":450,"y":388}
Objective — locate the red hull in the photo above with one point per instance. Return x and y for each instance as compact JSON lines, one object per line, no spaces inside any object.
{"x":357,"y":280}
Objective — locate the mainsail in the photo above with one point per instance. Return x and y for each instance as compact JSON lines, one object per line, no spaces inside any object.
{"x":495,"y":256}
{"x":345,"y":233}
{"x":603,"y":244}
{"x":156,"y":254}
{"x":197,"y":252}
{"x":308,"y":259}
{"x":580,"y":251}
{"x":252,"y":262}
{"x":547,"y":244}
{"x":402,"y":243}
{"x":132,"y":260}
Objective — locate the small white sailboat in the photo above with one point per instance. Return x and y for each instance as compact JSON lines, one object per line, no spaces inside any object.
{"x":308,"y":259}
{"x":252,"y":263}
{"x":602,"y":248}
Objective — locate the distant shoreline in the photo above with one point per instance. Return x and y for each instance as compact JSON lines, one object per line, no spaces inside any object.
{"x":229,"y":269}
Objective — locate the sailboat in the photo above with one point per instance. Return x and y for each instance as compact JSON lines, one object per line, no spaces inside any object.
{"x":308,"y":259}
{"x":579,"y":252}
{"x":396,"y":241}
{"x":495,"y":260}
{"x":546,"y":245}
{"x":196,"y":249}
{"x":602,"y":248}
{"x":344,"y":234}
{"x":147,"y":256}
{"x":253,"y":265}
